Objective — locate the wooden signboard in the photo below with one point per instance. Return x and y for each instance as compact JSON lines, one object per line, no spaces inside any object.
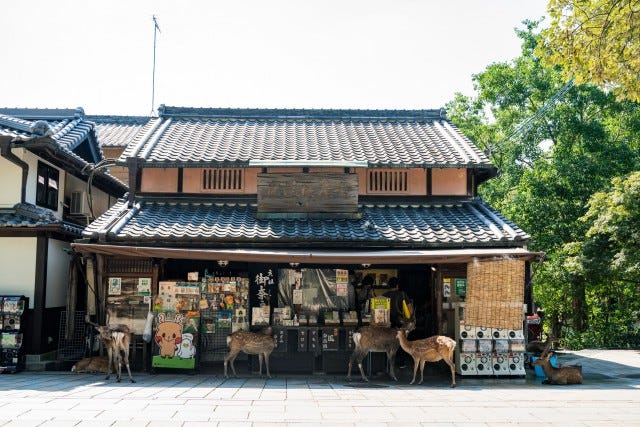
{"x":307,"y":193}
{"x":330,"y":339}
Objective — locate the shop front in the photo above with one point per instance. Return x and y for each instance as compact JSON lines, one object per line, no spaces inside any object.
{"x":243,"y":219}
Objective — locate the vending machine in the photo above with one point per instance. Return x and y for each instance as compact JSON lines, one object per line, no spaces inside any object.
{"x":12,"y":354}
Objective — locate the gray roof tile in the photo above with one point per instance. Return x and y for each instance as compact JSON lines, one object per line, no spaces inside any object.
{"x":117,"y":131}
{"x":191,"y":136}
{"x":24,"y":215}
{"x":453,"y":224}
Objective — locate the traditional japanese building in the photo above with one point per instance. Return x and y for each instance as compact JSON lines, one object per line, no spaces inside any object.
{"x":298,"y":195}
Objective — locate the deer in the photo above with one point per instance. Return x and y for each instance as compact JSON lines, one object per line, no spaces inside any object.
{"x":432,"y":349}
{"x":563,"y":375}
{"x":378,"y":339}
{"x":537,"y":346}
{"x":261,"y":343}
{"x":91,"y":364}
{"x":116,"y":339}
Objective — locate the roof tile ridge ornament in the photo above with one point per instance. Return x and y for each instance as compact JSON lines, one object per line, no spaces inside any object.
{"x":35,"y":212}
{"x":302,"y":113}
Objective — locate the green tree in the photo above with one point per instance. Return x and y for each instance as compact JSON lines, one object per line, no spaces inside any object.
{"x":596,"y":41}
{"x":555,"y":145}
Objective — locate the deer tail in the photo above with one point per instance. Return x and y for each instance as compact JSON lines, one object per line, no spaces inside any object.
{"x":228,"y":340}
{"x":356,"y":338}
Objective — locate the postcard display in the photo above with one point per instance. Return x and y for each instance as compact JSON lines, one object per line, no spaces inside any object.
{"x":12,"y":355}
{"x":129,"y":301}
{"x":194,"y":318}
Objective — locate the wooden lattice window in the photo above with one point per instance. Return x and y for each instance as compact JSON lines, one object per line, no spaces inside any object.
{"x":387,"y":181}
{"x":223,"y":179}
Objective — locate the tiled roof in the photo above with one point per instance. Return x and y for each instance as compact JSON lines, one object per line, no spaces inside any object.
{"x":24,"y":215}
{"x":67,"y":131}
{"x":455,"y":224}
{"x":192,"y":136}
{"x":117,"y":131}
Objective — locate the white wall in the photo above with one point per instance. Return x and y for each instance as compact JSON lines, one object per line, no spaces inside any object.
{"x":100,"y":199}
{"x":57,"y":274}
{"x":18,"y":266}
{"x":10,"y":182}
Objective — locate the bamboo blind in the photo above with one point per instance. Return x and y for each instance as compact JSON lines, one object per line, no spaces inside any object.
{"x":495,"y":293}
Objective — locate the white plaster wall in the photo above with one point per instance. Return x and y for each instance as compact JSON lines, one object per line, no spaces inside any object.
{"x":57,"y":274}
{"x":18,"y":266}
{"x":11,"y":183}
{"x":101,"y":200}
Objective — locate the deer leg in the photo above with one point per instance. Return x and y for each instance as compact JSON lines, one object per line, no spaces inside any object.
{"x":229,"y":358}
{"x":391,"y":360}
{"x":422,"y":363}
{"x":118,"y":362}
{"x":360,"y":359}
{"x":126,"y":363}
{"x":110,"y":362}
{"x":260,"y":357}
{"x":452,"y":366}
{"x":415,"y":369}
{"x":266,"y":363}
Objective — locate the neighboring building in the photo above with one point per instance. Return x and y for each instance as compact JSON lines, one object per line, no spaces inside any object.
{"x":114,"y":132}
{"x":240,"y":192}
{"x":50,"y":192}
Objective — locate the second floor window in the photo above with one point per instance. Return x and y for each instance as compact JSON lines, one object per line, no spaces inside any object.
{"x":222,"y":179}
{"x":47,"y":187}
{"x":387,"y":181}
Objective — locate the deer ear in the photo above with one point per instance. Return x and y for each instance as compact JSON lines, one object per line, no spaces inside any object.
{"x":549,"y":355}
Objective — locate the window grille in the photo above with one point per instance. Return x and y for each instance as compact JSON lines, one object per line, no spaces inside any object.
{"x":387,"y":181}
{"x":222,"y":179}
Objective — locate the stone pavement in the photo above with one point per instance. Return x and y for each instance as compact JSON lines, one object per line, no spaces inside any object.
{"x":609,"y":396}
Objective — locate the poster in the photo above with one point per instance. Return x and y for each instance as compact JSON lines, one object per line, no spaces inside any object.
{"x":144,"y":286}
{"x":115,"y":285}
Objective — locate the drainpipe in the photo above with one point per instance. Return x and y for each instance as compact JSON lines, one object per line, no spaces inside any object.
{"x":5,"y":151}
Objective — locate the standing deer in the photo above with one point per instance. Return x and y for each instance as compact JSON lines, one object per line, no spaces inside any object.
{"x":570,"y":374}
{"x":116,"y":340}
{"x":430,"y":349}
{"x":260,"y":343}
{"x":379,"y":339}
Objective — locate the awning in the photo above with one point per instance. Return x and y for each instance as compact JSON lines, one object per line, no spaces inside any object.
{"x":396,"y":256}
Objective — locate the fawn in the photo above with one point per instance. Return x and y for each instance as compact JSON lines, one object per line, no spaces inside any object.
{"x":116,"y":340}
{"x":91,"y":364}
{"x":380,"y":339}
{"x":430,"y":349}
{"x":570,"y":374}
{"x":260,"y":343}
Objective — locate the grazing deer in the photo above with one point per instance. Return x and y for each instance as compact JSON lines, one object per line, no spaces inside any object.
{"x":260,"y":343}
{"x":570,"y":374}
{"x":430,"y":349}
{"x":378,"y":339}
{"x":116,"y":340}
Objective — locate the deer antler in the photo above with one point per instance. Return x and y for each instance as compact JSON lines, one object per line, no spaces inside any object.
{"x":550,"y":340}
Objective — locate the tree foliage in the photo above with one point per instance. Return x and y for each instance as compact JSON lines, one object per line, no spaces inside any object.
{"x":596,"y":41}
{"x":549,"y":170}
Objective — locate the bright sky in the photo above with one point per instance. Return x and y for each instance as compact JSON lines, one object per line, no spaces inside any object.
{"x":375,"y":54}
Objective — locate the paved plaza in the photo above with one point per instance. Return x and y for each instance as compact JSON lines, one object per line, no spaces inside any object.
{"x":609,"y":396}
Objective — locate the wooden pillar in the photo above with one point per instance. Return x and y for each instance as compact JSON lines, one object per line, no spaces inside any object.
{"x":38,"y":341}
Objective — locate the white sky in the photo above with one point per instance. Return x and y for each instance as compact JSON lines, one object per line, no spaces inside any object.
{"x":251,"y":53}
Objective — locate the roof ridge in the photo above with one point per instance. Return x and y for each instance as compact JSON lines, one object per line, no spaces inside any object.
{"x":302,"y":113}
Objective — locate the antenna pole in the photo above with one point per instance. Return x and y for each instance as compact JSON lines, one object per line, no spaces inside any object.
{"x":156,"y":29}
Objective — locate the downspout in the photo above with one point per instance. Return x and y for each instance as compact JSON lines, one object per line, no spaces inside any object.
{"x":5,"y":151}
